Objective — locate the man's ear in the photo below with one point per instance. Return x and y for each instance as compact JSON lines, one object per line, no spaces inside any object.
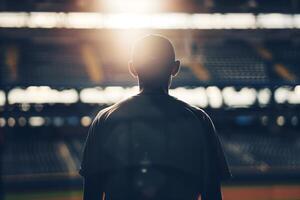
{"x":176,"y":68}
{"x":132,"y":69}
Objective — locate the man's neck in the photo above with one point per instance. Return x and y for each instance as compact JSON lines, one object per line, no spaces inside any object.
{"x":154,"y":90}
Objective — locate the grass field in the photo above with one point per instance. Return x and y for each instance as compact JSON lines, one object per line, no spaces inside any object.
{"x":269,"y":192}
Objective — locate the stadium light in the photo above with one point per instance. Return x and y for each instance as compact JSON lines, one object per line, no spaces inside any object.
{"x":280,"y":120}
{"x":36,"y":121}
{"x":297,"y":21}
{"x":294,"y":97}
{"x":86,"y":121}
{"x":42,"y":94}
{"x":214,"y":95}
{"x":22,"y":121}
{"x":281,"y":94}
{"x":131,"y":6}
{"x":294,"y":121}
{"x":11,"y":122}
{"x":106,"y":95}
{"x":2,"y":122}
{"x":243,"y":98}
{"x":275,"y":20}
{"x":195,"y":96}
{"x":136,"y":17}
{"x":223,"y":21}
{"x":58,"y":121}
{"x":46,"y":19}
{"x":2,"y":98}
{"x":264,"y":96}
{"x":83,"y":20}
{"x":13,"y":19}
{"x":286,"y":94}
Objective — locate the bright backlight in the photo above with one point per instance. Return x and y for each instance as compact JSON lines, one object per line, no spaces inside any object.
{"x":131,"y":5}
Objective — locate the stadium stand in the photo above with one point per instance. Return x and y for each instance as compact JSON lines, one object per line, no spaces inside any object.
{"x":234,"y":62}
{"x":43,"y":62}
{"x":287,"y":57}
{"x":249,"y":156}
{"x":226,"y":62}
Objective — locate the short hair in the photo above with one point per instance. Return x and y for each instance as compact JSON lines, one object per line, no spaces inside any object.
{"x":152,"y":56}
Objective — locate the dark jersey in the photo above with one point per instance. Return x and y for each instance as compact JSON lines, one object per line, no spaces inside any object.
{"x":153,"y":144}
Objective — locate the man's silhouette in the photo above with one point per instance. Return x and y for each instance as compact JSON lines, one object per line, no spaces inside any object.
{"x":152,"y":145}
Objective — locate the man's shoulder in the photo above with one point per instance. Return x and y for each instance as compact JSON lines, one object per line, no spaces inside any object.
{"x":105,"y":113}
{"x":199,"y":112}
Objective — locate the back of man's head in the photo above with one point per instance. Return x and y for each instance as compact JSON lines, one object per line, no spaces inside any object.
{"x":153,"y":59}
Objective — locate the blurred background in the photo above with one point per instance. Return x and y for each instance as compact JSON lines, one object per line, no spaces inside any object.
{"x":62,"y":61}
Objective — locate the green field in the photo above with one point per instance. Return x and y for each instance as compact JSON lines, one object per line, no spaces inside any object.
{"x":264,"y":192}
